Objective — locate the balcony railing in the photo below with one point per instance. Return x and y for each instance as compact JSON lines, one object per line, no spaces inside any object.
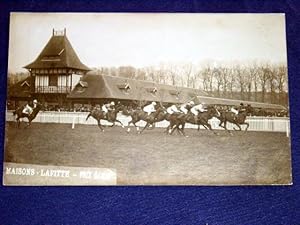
{"x":52,"y":89}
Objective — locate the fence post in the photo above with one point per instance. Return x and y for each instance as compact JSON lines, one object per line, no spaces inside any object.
{"x":73,"y":122}
{"x":287,"y":127}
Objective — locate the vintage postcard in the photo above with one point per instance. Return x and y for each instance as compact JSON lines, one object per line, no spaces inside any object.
{"x":147,"y":99}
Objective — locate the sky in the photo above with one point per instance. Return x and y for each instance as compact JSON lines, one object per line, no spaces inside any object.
{"x":144,"y":39}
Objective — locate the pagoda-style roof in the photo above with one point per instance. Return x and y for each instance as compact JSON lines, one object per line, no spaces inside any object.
{"x":58,"y":53}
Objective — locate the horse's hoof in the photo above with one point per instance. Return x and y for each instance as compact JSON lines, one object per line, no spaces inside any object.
{"x":103,"y":131}
{"x":123,"y":126}
{"x":128,"y":130}
{"x":137,"y":128}
{"x":186,"y":136}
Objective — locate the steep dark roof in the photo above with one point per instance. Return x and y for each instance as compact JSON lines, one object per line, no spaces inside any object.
{"x":234,"y":102}
{"x":20,"y":89}
{"x":111,"y":87}
{"x":58,"y":53}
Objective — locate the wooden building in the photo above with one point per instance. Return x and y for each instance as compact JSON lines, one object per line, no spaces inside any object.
{"x":56,"y":70}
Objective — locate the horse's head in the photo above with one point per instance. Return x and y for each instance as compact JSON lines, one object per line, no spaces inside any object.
{"x":39,"y":107}
{"x":249,"y":109}
{"x":213,"y":111}
{"x":119,"y":107}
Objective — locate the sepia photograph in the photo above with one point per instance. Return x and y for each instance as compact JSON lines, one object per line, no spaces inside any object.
{"x":147,"y":99}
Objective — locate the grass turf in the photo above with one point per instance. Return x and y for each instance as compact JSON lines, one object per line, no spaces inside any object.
{"x":154,"y":157}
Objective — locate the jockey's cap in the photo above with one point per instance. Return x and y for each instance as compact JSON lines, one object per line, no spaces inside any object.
{"x":241,"y":104}
{"x":192,"y":102}
{"x":153,"y":103}
{"x":35,"y":101}
{"x":112,"y":103}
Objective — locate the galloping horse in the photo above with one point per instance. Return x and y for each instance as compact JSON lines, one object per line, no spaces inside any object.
{"x":111,"y":116}
{"x":201,"y":119}
{"x":30,"y":117}
{"x":138,"y":115}
{"x":238,"y":120}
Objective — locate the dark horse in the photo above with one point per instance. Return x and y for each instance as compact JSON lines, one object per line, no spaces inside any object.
{"x":20,"y":114}
{"x":138,"y":115}
{"x":201,"y":119}
{"x":238,"y":120}
{"x":111,"y":116}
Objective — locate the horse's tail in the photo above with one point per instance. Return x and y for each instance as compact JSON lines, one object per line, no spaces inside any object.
{"x":88,"y":116}
{"x":14,"y":112}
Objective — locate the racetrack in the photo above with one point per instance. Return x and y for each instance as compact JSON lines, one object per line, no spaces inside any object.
{"x":156,"y":158}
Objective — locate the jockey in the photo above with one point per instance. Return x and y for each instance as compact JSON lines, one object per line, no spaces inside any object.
{"x":183,"y":107}
{"x":173,"y":109}
{"x":150,"y":108}
{"x":198,"y":108}
{"x":242,"y":108}
{"x":28,"y":109}
{"x":234,"y":110}
{"x":108,"y":107}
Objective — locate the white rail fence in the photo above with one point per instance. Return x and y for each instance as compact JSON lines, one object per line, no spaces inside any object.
{"x":271,"y":124}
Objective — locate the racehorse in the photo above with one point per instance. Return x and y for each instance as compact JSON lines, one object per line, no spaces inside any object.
{"x":110,"y":116}
{"x":201,"y":119}
{"x":138,"y":115}
{"x":237,"y":120}
{"x":30,"y":117}
{"x":150,"y":119}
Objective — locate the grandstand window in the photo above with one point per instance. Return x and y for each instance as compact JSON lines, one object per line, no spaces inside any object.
{"x":53,"y":80}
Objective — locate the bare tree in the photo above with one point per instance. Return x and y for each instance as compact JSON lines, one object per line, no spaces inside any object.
{"x":240,"y":79}
{"x":207,"y":78}
{"x":263,"y":76}
{"x":253,"y":71}
{"x":217,"y":76}
{"x":231,"y":81}
{"x":281,"y":80}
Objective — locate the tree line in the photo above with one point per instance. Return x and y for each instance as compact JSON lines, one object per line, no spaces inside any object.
{"x":253,"y":82}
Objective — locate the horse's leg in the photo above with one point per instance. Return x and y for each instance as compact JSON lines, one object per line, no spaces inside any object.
{"x":240,"y":129}
{"x":29,"y":123}
{"x":247,"y":126}
{"x":120,"y":123}
{"x":182,"y":129}
{"x":167,"y":129}
{"x":221,"y":122}
{"x":175,"y":126}
{"x":18,"y":122}
{"x":147,"y":124}
{"x":100,"y":126}
{"x":225,"y":127}
{"x":206,"y":124}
